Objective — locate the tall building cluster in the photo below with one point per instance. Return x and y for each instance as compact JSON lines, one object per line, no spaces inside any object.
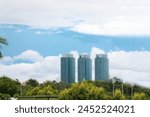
{"x":84,"y":68}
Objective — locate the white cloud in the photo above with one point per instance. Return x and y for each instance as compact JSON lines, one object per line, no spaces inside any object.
{"x":133,"y":66}
{"x":29,"y":55}
{"x":104,"y":17}
{"x":116,"y":27}
{"x":134,"y":60}
{"x":7,"y":60}
{"x":38,"y":32}
{"x":47,"y":69}
{"x":95,"y":51}
{"x":18,"y":30}
{"x":45,"y":32}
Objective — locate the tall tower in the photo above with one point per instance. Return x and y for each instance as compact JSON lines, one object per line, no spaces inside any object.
{"x":68,"y":68}
{"x":101,"y":67}
{"x":84,"y":68}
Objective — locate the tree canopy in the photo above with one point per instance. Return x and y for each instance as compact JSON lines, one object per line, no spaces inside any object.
{"x":86,"y":90}
{"x":83,"y":91}
{"x":32,"y":82}
{"x":9,"y":86}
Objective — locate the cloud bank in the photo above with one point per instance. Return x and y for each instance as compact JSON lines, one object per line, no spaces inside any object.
{"x":133,"y":66}
{"x":101,"y":17}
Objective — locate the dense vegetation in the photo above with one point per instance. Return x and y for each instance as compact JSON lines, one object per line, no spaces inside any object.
{"x":86,"y":90}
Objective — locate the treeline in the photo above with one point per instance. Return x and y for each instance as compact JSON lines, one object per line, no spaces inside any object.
{"x":86,"y":90}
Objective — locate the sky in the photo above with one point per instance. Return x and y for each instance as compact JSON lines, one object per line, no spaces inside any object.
{"x":39,"y":31}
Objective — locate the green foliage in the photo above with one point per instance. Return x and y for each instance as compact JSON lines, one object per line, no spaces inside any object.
{"x":45,"y":90}
{"x":17,"y":95}
{"x":34,"y":91}
{"x":4,"y":42}
{"x":59,"y":86}
{"x":56,"y":85}
{"x":9,"y":86}
{"x":26,"y":90}
{"x":4,"y":96}
{"x":32,"y":82}
{"x":83,"y":91}
{"x":86,"y":90}
{"x":107,"y":85}
{"x":118,"y":95}
{"x":139,"y":96}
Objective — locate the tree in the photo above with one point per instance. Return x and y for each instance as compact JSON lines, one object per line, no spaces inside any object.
{"x":2,"y":42}
{"x":42,"y":90}
{"x":83,"y":91}
{"x":34,"y":91}
{"x":59,"y":85}
{"x":32,"y":82}
{"x":139,"y":96}
{"x":118,"y":95}
{"x":4,"y":96}
{"x":47,"y":90}
{"x":9,"y":86}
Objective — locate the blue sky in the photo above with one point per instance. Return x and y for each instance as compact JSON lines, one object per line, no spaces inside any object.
{"x":39,"y":32}
{"x":54,"y":41}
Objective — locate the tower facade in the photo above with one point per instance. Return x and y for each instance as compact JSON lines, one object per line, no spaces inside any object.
{"x":68,"y":68}
{"x":84,"y":68}
{"x":101,"y":67}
